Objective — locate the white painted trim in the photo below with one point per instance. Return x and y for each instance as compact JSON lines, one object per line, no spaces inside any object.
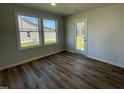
{"x":28,"y":60}
{"x":69,"y":50}
{"x":105,"y":61}
{"x":99,"y":59}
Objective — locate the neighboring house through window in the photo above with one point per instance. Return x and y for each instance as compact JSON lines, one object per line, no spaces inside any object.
{"x":50,"y":31}
{"x":28,"y":30}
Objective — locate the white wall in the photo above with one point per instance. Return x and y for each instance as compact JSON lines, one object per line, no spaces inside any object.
{"x":105,"y":33}
{"x":9,"y":53}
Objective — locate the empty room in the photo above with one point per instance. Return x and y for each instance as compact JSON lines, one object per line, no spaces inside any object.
{"x":62,"y":46}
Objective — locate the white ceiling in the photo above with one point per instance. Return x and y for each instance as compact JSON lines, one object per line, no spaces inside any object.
{"x":65,"y":9}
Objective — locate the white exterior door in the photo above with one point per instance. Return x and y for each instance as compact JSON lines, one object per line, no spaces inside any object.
{"x":81,"y":37}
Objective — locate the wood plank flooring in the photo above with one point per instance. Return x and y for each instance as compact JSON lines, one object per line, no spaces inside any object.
{"x":63,"y":70}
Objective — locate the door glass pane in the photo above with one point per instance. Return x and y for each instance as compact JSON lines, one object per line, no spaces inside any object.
{"x":80,"y":36}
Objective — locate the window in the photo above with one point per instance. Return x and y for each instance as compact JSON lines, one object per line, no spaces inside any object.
{"x":28,"y":34}
{"x":28,"y":31}
{"x":50,"y":31}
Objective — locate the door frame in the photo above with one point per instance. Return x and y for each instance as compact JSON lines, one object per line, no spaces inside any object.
{"x":85,"y":35}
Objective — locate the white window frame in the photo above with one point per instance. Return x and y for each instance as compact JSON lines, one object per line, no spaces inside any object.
{"x":18,"y":33}
{"x":57,"y":40}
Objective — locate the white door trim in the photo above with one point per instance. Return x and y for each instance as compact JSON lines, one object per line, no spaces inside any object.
{"x":85,"y":34}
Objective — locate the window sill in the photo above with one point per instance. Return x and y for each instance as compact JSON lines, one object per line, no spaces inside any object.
{"x":30,"y":47}
{"x":50,"y":44}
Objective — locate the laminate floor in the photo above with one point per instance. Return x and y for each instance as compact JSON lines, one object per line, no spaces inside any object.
{"x":63,"y":71}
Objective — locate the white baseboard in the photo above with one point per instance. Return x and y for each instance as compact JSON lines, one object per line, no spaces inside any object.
{"x":105,"y":61}
{"x":99,"y":59}
{"x":69,"y":50}
{"x":25,"y":61}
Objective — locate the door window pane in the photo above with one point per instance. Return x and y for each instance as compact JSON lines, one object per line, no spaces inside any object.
{"x":80,"y":36}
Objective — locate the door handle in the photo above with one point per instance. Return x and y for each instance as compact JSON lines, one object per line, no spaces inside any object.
{"x":85,"y":39}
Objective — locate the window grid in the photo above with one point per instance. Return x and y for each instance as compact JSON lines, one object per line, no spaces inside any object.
{"x":50,"y":34}
{"x":28,"y":29}
{"x":49,"y":28}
